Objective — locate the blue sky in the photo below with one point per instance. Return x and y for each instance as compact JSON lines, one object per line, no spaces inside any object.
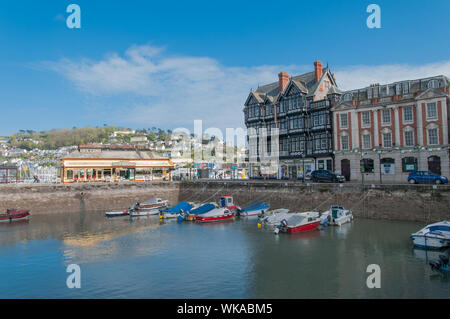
{"x":165,"y":63}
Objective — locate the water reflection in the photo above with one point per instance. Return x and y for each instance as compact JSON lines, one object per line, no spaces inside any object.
{"x":147,"y":257}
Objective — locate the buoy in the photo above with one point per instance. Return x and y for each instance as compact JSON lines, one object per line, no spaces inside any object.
{"x":160,"y":216}
{"x":259,"y":225}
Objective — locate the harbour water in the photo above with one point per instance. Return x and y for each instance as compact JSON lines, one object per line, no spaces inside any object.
{"x":146,"y":258}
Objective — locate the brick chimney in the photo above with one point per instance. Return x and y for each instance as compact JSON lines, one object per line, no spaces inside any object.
{"x":318,"y":70}
{"x":283,"y":80}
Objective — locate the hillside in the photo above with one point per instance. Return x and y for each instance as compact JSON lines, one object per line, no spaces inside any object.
{"x":56,"y":138}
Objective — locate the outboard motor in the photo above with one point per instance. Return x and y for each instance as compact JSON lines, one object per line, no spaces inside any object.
{"x":262,"y":214}
{"x":238,"y":211}
{"x":441,"y":264}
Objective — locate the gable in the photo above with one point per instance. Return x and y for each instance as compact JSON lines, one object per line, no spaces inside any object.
{"x":430,"y":94}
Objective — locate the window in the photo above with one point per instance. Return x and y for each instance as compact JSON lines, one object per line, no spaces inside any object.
{"x":365,"y":118}
{"x":405,"y":86}
{"x":317,"y":146}
{"x":387,"y":140}
{"x":433,"y":136}
{"x":386,"y":118}
{"x":344,"y":120}
{"x":367,"y":165}
{"x":348,"y":97}
{"x":408,"y":114}
{"x":324,"y":145}
{"x":431,"y":111}
{"x":366,"y":141}
{"x":344,"y":142}
{"x":321,"y":119}
{"x":409,"y":164}
{"x":433,"y":84}
{"x":409,"y":138}
{"x":316,"y":120}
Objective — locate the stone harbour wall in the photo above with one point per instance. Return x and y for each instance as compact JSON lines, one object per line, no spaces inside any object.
{"x":392,"y":202}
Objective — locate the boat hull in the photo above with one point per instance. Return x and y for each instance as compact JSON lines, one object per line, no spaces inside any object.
{"x":429,"y":242}
{"x":211,"y":219}
{"x":16,"y":216}
{"x":252,"y":213}
{"x":116,"y":214}
{"x":303,"y":228}
{"x":340,"y":221}
{"x":145,"y":212}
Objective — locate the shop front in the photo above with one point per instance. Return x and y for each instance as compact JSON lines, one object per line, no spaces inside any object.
{"x":121,"y":167}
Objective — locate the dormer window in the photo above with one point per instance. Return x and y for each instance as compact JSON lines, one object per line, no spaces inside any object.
{"x":348,"y":97}
{"x":433,"y":84}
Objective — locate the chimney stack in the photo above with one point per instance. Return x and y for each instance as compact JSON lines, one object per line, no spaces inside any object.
{"x":283,"y":80}
{"x":318,"y":70}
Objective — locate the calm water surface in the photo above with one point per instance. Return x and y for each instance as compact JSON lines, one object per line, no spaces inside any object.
{"x":123,"y":258}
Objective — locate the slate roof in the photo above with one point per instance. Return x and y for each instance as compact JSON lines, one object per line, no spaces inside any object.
{"x":306,"y":82}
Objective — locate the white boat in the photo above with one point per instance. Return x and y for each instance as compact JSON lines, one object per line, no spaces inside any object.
{"x":254,"y":209}
{"x":434,"y":236}
{"x":151,"y":207}
{"x":273,"y":217}
{"x":337,"y":215}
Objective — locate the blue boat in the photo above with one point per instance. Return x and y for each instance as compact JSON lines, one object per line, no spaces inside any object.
{"x":254,"y":209}
{"x":175,"y":211}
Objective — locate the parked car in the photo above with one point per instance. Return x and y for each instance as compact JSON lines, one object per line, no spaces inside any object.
{"x":426,"y":177}
{"x":326,"y":176}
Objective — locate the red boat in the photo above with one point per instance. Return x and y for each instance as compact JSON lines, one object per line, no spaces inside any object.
{"x":218,"y":214}
{"x":13,"y":215}
{"x":298,"y":223}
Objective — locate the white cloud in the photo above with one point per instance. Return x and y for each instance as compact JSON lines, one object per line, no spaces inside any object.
{"x":156,"y":89}
{"x":355,"y":77}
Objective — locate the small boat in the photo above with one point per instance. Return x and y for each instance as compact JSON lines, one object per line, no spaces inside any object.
{"x":117,"y":213}
{"x":175,"y":211}
{"x":151,"y":207}
{"x":217,"y":214}
{"x":337,"y":215}
{"x":254,"y":209}
{"x":13,"y":215}
{"x":297,"y":223}
{"x":273,"y":217}
{"x":433,"y":236}
{"x":441,"y":264}
{"x":203,"y":209}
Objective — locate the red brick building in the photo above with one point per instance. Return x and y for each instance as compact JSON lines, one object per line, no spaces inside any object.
{"x":393,"y":129}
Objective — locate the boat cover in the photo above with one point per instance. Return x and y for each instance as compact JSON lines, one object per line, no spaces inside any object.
{"x":255,"y":206}
{"x":295,"y":220}
{"x":185,"y":206}
{"x":202,"y":209}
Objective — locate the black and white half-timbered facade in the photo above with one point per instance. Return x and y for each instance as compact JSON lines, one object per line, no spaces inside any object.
{"x":299,"y":108}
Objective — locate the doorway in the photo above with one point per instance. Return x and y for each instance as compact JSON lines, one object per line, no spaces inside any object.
{"x":434,"y":164}
{"x":345,"y":169}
